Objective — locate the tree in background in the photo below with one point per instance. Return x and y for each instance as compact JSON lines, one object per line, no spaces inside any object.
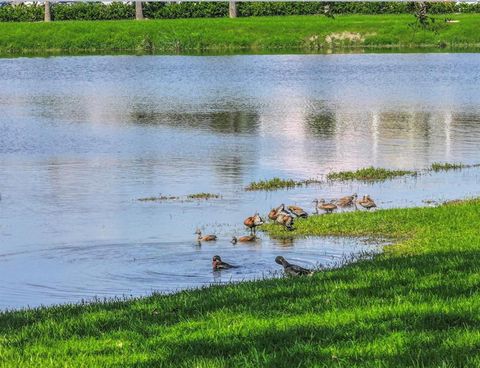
{"x":138,"y":10}
{"x":232,"y":9}
{"x":48,"y":16}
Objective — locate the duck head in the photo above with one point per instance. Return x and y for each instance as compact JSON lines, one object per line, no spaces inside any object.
{"x":280,"y":260}
{"x":215,"y":261}
{"x":198,"y":232}
{"x":234,"y":240}
{"x":354,"y":196}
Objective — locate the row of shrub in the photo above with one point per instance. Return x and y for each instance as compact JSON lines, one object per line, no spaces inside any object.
{"x":157,"y":10}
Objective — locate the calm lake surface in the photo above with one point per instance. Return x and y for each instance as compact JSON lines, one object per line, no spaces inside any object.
{"x":82,"y":138}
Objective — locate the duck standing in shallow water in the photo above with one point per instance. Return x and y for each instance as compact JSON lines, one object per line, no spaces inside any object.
{"x":201,"y":238}
{"x":291,"y":269}
{"x":243,"y":239}
{"x":253,"y":222}
{"x":347,"y":201}
{"x":297,"y":211}
{"x":367,"y":202}
{"x":322,"y":205}
{"x":218,"y":264}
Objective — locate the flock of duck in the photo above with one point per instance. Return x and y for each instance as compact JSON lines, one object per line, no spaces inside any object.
{"x":285,"y":216}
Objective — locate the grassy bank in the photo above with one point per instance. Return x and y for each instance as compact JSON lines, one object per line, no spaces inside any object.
{"x":303,"y":33}
{"x":416,"y":305}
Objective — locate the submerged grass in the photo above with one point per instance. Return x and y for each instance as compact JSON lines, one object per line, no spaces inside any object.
{"x":262,"y":34}
{"x":278,"y":183}
{"x":161,"y":198}
{"x":414,"y":305}
{"x":445,"y":166}
{"x":158,"y":199}
{"x":368,"y":174}
{"x":203,"y":196}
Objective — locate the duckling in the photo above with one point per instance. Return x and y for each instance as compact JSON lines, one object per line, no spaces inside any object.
{"x":218,"y":264}
{"x":322,"y":205}
{"x":367,"y":202}
{"x":201,"y":238}
{"x":252,"y":222}
{"x":347,"y":201}
{"x":285,"y":220}
{"x":243,"y":239}
{"x":292,"y":270}
{"x":297,"y":211}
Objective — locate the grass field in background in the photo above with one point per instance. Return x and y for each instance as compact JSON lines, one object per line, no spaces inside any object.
{"x":262,"y":34}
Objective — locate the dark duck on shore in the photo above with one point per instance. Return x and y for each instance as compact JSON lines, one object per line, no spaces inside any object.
{"x":347,"y":201}
{"x":297,"y":211}
{"x":291,"y":269}
{"x":201,"y":238}
{"x":322,"y":205}
{"x":253,"y":222}
{"x":367,"y":202}
{"x":243,"y":239}
{"x":218,"y":264}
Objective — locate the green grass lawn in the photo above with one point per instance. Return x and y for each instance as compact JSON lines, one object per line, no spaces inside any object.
{"x":262,"y":34}
{"x":416,"y":305}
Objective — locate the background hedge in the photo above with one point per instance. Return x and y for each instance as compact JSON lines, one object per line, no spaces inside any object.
{"x":155,"y":10}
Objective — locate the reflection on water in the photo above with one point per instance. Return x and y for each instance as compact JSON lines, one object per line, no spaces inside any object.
{"x":83,"y":137}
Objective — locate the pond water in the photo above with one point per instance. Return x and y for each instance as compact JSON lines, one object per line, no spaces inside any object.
{"x":82,"y":138}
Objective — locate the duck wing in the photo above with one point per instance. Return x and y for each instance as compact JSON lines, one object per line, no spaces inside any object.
{"x":295,"y":270}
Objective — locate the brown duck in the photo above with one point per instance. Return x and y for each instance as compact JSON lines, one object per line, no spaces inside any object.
{"x":285,"y":220}
{"x":347,"y":201}
{"x":243,"y":239}
{"x":201,"y":238}
{"x":367,"y":202}
{"x":297,"y":211}
{"x":322,"y":205}
{"x":253,"y":222}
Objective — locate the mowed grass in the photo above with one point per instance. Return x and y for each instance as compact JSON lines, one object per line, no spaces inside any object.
{"x":415,"y":305}
{"x":255,"y":34}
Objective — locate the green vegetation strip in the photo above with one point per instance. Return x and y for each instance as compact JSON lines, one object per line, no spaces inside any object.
{"x":278,"y":183}
{"x":445,"y":166}
{"x":262,"y":34}
{"x":415,"y":305}
{"x":162,"y":198}
{"x":369,"y":174}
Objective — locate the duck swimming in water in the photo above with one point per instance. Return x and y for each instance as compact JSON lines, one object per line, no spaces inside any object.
{"x":291,"y":269}
{"x":243,"y":239}
{"x":253,"y":222}
{"x":322,"y":205}
{"x":367,"y":202}
{"x":218,"y":264}
{"x":201,"y":238}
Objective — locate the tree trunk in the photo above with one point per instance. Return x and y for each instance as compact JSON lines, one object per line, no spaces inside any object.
{"x":48,"y":16}
{"x":232,"y":9}
{"x":138,"y":10}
